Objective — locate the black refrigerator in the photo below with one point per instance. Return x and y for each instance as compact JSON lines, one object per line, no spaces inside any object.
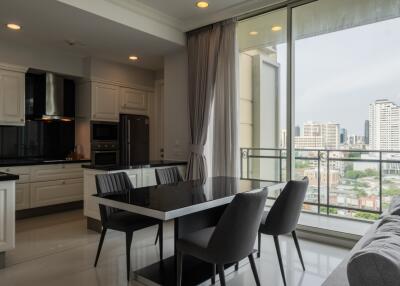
{"x":134,"y":139}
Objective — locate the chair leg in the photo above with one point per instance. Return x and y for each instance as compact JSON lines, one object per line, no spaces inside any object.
{"x":214,"y":268}
{"x":221,"y":273}
{"x":129,"y":236}
{"x":158,"y":234}
{"x":161,"y":236}
{"x":278,"y":251}
{"x":103,"y":234}
{"x":179,"y":256}
{"x":259,"y":245}
{"x":296,"y":242}
{"x":254,"y":269}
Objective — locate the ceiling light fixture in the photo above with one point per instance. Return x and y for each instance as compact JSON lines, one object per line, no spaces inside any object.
{"x":13,"y":26}
{"x":253,"y":33}
{"x":133,"y":58}
{"x":276,"y":28}
{"x":202,"y":4}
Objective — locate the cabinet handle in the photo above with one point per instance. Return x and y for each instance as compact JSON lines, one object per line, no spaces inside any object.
{"x":8,"y":170}
{"x":22,"y":120}
{"x":63,"y":182}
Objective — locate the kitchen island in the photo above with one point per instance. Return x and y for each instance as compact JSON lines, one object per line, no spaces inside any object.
{"x":7,"y":214}
{"x":141,"y":175}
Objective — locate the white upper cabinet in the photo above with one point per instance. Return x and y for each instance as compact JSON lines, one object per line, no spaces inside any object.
{"x":133,"y":101}
{"x":105,"y":102}
{"x":12,"y":97}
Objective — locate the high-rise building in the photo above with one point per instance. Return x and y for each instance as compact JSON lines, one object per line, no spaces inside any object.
{"x":343,"y":135}
{"x":297,"y":131}
{"x":384,"y":125}
{"x":319,"y":135}
{"x":366,"y":132}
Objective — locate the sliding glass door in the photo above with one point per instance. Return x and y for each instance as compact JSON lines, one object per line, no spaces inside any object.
{"x":263,"y":67}
{"x":334,"y":66}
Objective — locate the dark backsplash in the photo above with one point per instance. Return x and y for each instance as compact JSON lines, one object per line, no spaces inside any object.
{"x":37,"y":139}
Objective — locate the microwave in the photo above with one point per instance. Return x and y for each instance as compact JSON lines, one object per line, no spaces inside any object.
{"x":104,"y":131}
{"x":105,"y":158}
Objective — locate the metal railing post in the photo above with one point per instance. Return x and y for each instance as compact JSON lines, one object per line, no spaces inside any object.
{"x":319,"y":182}
{"x":380,"y":181}
{"x":327,"y":182}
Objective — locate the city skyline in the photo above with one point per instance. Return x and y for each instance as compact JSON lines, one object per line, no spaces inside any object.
{"x":339,"y":88}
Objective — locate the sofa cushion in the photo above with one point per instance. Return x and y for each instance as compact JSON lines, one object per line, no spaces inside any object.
{"x":394,"y":207}
{"x":377,"y":263}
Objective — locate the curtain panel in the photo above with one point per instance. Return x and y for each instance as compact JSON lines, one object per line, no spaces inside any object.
{"x":204,"y":50}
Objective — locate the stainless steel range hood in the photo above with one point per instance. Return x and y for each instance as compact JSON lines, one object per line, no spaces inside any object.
{"x":54,"y":106}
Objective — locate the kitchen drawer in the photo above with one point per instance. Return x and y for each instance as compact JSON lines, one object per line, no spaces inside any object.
{"x":23,"y":172}
{"x":56,"y":192}
{"x":22,"y":197}
{"x":46,"y":173}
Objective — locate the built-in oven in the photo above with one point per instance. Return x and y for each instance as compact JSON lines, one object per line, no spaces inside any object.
{"x":105,"y":153}
{"x":104,"y":131}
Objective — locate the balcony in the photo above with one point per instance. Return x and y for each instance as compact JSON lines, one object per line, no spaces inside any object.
{"x":352,"y":184}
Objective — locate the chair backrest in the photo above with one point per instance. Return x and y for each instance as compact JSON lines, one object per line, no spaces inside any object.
{"x":107,"y":184}
{"x":168,"y":176}
{"x":285,"y":212}
{"x":236,"y":231}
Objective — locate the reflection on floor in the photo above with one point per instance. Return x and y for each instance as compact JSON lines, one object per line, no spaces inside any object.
{"x":58,"y":250}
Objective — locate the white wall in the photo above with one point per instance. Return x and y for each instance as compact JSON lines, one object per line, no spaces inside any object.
{"x":176,"y":124}
{"x":126,"y":74}
{"x":41,"y":58}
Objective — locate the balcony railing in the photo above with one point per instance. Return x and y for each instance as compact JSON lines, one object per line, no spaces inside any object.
{"x":357,"y":184}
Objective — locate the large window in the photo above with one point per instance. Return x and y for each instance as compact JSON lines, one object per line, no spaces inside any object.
{"x":345,"y":97}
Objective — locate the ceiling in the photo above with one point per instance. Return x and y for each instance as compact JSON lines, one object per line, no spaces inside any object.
{"x":116,"y":35}
{"x":184,"y":14}
{"x":93,"y":35}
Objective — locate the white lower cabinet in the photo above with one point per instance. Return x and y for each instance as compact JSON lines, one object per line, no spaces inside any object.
{"x":7,"y":215}
{"x":44,"y":185}
{"x":22,"y":197}
{"x":56,"y":192}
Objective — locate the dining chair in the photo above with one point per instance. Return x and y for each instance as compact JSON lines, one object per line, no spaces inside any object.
{"x":283,"y":218}
{"x":167,"y":176}
{"x":227,"y":242}
{"x":119,"y":220}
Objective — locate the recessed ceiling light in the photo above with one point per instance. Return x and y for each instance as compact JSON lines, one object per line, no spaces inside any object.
{"x":13,"y":26}
{"x":202,"y":4}
{"x":253,"y":33}
{"x":133,"y":58}
{"x":276,"y":28}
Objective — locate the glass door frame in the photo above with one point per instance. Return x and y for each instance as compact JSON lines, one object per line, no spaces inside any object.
{"x":290,"y":80}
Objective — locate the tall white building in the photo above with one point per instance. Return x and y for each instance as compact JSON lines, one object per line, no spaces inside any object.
{"x":384,"y":125}
{"x":319,"y":135}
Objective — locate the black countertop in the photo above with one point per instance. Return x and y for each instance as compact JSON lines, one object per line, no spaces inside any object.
{"x":8,"y":177}
{"x":151,"y":164}
{"x":36,"y":161}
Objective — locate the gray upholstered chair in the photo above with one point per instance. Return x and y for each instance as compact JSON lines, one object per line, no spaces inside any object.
{"x":112,"y":218}
{"x":231,"y":240}
{"x":167,"y":176}
{"x":284,"y":216}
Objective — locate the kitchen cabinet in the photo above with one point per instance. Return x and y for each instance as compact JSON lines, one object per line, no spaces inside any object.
{"x":56,"y":192}
{"x":22,"y":196}
{"x":44,"y":185}
{"x":135,"y":177}
{"x":133,"y":101}
{"x":7,"y":215}
{"x":105,"y":102}
{"x":12,"y":97}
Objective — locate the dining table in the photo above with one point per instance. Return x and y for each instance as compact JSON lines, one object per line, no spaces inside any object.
{"x":192,"y":205}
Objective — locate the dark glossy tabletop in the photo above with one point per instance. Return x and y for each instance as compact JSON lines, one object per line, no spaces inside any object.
{"x":184,"y":195}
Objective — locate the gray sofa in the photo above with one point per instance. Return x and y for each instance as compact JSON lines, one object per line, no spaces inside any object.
{"x":375,"y":259}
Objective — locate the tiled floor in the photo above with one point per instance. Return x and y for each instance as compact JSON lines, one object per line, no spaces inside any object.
{"x":58,"y":250}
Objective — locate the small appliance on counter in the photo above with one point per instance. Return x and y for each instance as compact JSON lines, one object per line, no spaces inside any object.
{"x":134,"y":139}
{"x":104,"y":143}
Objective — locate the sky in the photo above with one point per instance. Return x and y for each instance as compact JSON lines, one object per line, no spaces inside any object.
{"x":337,"y":75}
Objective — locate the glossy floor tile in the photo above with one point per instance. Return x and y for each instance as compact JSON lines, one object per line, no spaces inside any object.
{"x":59,"y":250}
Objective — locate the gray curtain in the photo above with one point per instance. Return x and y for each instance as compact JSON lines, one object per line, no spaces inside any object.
{"x":212,"y":75}
{"x":203,"y":46}
{"x":225,"y":137}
